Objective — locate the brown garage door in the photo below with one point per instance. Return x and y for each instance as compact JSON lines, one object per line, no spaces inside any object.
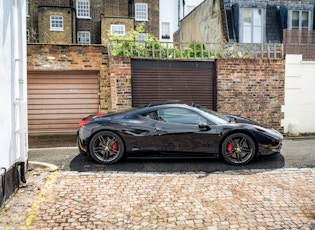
{"x":158,"y":81}
{"x":58,"y":100}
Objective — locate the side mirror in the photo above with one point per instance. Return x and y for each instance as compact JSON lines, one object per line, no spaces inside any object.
{"x":204,"y":126}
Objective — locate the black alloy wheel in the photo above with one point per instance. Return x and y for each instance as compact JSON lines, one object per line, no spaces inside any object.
{"x":238,"y":149}
{"x":106,"y":147}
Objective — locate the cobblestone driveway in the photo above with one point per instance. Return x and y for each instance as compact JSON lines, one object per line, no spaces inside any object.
{"x":279,"y":199}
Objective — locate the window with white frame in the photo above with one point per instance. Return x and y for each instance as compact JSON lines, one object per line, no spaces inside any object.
{"x":300,"y":19}
{"x":142,"y":37}
{"x":56,"y":23}
{"x":83,"y":8}
{"x":84,"y":37}
{"x":251,"y":30}
{"x":117,"y":29}
{"x":165,"y":30}
{"x":141,"y":12}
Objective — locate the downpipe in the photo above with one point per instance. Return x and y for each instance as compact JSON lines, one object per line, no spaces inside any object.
{"x":3,"y":182}
{"x":23,"y":172}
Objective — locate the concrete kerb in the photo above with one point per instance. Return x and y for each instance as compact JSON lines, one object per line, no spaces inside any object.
{"x":51,"y":167}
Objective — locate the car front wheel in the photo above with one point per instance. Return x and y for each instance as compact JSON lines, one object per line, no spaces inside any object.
{"x":106,"y":147}
{"x":238,"y":149}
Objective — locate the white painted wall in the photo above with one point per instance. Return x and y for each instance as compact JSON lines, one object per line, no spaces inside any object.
{"x":13,"y":85}
{"x":299,"y":107}
{"x":173,"y":11}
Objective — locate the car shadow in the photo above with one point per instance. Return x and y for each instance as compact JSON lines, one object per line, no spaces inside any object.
{"x":81,"y":163}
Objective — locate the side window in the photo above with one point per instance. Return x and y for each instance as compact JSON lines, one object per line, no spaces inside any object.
{"x":165,"y":30}
{"x":141,"y":12}
{"x":180,"y":116}
{"x":56,"y":23}
{"x":152,"y":115}
{"x":83,"y":8}
{"x":300,"y":19}
{"x":117,"y":29}
{"x":84,"y":37}
{"x":252,"y":30}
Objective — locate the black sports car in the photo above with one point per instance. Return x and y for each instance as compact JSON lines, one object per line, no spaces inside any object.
{"x":175,"y":130}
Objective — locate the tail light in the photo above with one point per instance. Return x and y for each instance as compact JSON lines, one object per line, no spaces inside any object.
{"x":83,"y":122}
{"x":87,"y":119}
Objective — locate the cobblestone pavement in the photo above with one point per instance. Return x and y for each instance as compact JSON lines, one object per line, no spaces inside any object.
{"x":257,"y":199}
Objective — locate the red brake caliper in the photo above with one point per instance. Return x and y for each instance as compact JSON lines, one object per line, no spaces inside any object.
{"x":115,"y":146}
{"x":229,"y":148}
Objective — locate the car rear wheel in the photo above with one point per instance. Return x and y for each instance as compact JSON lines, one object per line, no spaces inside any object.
{"x":106,"y":147}
{"x":238,"y":149}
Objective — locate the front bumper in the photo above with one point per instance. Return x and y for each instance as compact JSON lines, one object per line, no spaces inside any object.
{"x":273,"y":148}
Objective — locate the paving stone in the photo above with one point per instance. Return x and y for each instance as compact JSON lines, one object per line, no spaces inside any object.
{"x":253,"y":199}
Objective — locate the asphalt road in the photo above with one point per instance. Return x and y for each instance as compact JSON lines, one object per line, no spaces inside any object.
{"x":296,"y":153}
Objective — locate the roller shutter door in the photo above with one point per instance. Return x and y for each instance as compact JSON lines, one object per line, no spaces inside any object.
{"x":57,"y":101}
{"x":158,"y":81}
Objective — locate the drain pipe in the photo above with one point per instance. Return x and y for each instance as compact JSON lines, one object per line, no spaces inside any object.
{"x":23,"y":178}
{"x":3,"y":182}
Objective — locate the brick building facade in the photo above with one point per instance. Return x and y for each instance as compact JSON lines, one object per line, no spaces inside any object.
{"x":86,"y":21}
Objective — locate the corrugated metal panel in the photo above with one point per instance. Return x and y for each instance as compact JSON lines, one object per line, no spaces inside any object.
{"x":57,"y":101}
{"x":158,"y":81}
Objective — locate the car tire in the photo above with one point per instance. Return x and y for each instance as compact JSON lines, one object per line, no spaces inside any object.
{"x":106,"y":147}
{"x":238,"y":149}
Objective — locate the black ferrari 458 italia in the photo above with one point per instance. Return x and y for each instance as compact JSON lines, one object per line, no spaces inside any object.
{"x":175,"y":130}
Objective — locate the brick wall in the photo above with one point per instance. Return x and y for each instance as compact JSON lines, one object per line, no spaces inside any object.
{"x":65,"y":36}
{"x":72,"y":57}
{"x":253,"y":88}
{"x":108,"y":21}
{"x":120,"y":81}
{"x":152,"y":25}
{"x":92,"y":25}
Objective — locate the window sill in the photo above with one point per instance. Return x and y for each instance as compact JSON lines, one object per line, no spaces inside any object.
{"x":57,"y":30}
{"x":84,"y":18}
{"x":141,"y":20}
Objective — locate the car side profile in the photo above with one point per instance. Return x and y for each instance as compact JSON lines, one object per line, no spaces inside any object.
{"x":175,"y":130}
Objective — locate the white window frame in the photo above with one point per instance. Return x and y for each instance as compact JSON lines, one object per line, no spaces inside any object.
{"x":252,"y":26}
{"x":165,"y":30}
{"x":57,"y":19}
{"x":141,"y":12}
{"x":117,"y":27}
{"x":84,"y":37}
{"x":82,"y":10}
{"x":310,"y":19}
{"x":142,"y":37}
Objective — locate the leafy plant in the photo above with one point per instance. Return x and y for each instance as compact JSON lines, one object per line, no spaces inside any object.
{"x":129,"y":46}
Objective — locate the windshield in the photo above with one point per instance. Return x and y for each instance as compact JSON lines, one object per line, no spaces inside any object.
{"x":214,"y":116}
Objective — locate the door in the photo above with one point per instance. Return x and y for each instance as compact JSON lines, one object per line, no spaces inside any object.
{"x":178,"y":130}
{"x":57,"y":101}
{"x":155,"y":81}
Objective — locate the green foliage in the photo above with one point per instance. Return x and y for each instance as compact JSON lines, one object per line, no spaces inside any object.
{"x":129,"y":46}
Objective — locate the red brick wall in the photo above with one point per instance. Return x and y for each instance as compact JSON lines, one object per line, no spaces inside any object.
{"x":253,"y":88}
{"x":120,"y":81}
